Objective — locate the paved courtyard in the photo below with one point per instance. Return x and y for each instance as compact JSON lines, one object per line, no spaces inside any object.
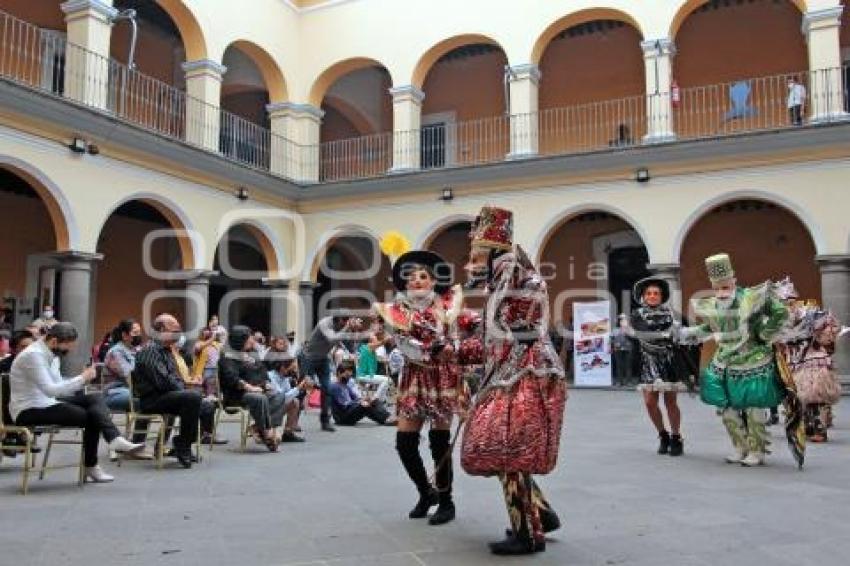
{"x":342,"y":499}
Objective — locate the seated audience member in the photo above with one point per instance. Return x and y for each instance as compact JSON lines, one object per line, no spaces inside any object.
{"x":119,"y":363}
{"x":21,"y":339}
{"x":41,"y":396}
{"x":285,"y":385}
{"x":367,"y":365}
{"x":5,"y":346}
{"x":260,"y":344}
{"x":161,"y":388}
{"x":47,"y":318}
{"x":207,"y":354}
{"x":244,"y":379}
{"x":347,"y":405}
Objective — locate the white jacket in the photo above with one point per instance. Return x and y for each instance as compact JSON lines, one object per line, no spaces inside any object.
{"x":35,"y":381}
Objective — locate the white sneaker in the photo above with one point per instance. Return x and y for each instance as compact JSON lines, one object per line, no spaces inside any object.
{"x":97,"y":475}
{"x":736,"y":457}
{"x":753,"y":459}
{"x":121,"y":444}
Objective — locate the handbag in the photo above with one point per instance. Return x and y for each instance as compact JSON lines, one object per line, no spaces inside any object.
{"x":516,"y":429}
{"x":314,"y":401}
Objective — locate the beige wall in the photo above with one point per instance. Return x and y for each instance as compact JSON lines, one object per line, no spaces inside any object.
{"x":21,"y":239}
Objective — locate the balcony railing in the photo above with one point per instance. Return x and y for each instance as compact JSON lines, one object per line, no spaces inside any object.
{"x":44,"y":60}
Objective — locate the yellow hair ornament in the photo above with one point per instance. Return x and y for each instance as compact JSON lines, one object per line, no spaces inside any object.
{"x":394,"y":244}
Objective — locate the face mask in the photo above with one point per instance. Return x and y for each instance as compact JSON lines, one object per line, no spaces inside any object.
{"x":135,"y":340}
{"x":181,"y":341}
{"x":59,"y":352}
{"x":48,"y":314}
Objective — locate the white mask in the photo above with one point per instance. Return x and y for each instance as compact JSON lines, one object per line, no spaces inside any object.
{"x":48,"y":314}
{"x":181,"y":341}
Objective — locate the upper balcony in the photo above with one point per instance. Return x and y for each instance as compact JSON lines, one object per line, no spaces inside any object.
{"x":604,"y":89}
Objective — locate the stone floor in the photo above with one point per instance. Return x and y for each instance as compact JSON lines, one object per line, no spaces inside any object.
{"x":342,"y":499}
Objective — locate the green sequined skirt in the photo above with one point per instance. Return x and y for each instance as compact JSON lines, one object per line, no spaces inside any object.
{"x":741,"y":389}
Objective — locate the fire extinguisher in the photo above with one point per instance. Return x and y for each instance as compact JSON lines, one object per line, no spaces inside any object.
{"x":675,"y":94}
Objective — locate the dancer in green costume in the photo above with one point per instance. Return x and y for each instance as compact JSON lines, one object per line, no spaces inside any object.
{"x":742,"y":379}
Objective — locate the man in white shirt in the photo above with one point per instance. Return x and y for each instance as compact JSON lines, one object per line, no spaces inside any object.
{"x":41,"y":396}
{"x":796,"y":101}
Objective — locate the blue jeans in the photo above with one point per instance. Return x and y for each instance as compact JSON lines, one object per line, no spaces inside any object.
{"x":321,"y":370}
{"x":117,"y":398}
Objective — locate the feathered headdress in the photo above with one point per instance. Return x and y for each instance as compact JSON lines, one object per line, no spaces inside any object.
{"x":394,"y":244}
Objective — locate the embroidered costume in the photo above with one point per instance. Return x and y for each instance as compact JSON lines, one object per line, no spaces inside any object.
{"x":431,"y":387}
{"x":514,"y":427}
{"x":742,"y":378}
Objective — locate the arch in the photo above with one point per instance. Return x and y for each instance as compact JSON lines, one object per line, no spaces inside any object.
{"x":430,"y":57}
{"x":559,"y":220}
{"x":188,"y":240}
{"x":426,"y":238}
{"x":574,"y":19}
{"x":194,"y":41}
{"x":362,"y":123}
{"x":792,"y":207}
{"x":328,"y":239}
{"x":690,"y":6}
{"x":330,"y":75}
{"x":268,"y":67}
{"x":269,"y":244}
{"x":59,"y":209}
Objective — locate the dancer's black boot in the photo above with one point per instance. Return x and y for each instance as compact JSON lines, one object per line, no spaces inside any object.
{"x":407,"y":445}
{"x":440,"y":441}
{"x":663,"y":442}
{"x":677,"y":445}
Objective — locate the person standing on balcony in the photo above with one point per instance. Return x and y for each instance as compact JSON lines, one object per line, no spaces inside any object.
{"x":796,"y":101}
{"x":422,"y":320}
{"x":514,"y":427}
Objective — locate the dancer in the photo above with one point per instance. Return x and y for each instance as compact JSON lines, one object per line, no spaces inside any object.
{"x":514,"y":428}
{"x":743,"y":379}
{"x":661,"y":371}
{"x":808,"y":345}
{"x":422,"y":319}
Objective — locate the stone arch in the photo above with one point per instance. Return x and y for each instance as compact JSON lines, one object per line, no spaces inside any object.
{"x":327,"y":241}
{"x":329,"y":76}
{"x":58,"y":207}
{"x":433,"y":230}
{"x":269,"y":245}
{"x":573,"y":19}
{"x":188,"y":239}
{"x":268,"y":67}
{"x":432,"y":55}
{"x":194,"y":40}
{"x":688,"y":7}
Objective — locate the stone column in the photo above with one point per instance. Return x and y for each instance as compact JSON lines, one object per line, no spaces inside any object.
{"x":669,"y":272}
{"x":407,"y":127}
{"x":658,"y":57}
{"x":203,"y":100}
{"x":523,"y":89}
{"x":76,"y":305}
{"x":826,"y":88}
{"x":295,"y":140}
{"x":835,"y":289}
{"x":280,"y":295}
{"x":197,"y":301}
{"x":89,"y":27}
{"x":304,"y":317}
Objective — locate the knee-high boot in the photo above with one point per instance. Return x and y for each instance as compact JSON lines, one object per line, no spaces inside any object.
{"x":734,"y":423}
{"x":440,"y":441}
{"x":407,"y":446}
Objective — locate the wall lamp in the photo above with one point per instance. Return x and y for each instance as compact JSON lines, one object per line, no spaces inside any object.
{"x":642,"y":175}
{"x":447,"y":195}
{"x":242,"y":193}
{"x":78,"y":145}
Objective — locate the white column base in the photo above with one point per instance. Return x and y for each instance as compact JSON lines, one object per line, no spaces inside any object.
{"x":661,"y":137}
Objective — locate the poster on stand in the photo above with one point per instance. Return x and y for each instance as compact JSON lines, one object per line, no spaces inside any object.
{"x":592,"y":344}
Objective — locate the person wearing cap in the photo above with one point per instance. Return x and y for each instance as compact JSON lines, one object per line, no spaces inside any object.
{"x":742,"y":379}
{"x":514,"y":427}
{"x":422,"y":319}
{"x":244,"y":381}
{"x":652,"y":325}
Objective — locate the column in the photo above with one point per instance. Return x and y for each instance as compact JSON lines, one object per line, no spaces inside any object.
{"x":658,"y":57}
{"x":295,"y":140}
{"x":524,"y":81}
{"x":669,"y":272}
{"x":826,"y":90}
{"x":279,"y":295}
{"x":302,"y":318}
{"x":203,"y":99}
{"x":197,"y":300}
{"x":75,"y":304}
{"x":89,"y":27}
{"x":835,"y":289}
{"x":407,"y":126}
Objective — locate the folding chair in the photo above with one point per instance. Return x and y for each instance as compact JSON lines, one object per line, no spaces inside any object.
{"x":161,"y":434}
{"x":230,"y":414}
{"x":29,"y":434}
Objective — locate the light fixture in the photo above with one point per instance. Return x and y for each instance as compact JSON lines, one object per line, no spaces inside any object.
{"x":93,"y":149}
{"x":242,"y":193}
{"x":447,"y":195}
{"x":642,"y":175}
{"x":78,"y":145}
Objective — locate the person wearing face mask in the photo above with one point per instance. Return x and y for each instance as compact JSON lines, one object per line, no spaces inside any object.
{"x":119,"y":362}
{"x":422,"y":319}
{"x":743,"y":380}
{"x":41,"y":396}
{"x":652,"y":325}
{"x":161,"y":389}
{"x":47,"y":318}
